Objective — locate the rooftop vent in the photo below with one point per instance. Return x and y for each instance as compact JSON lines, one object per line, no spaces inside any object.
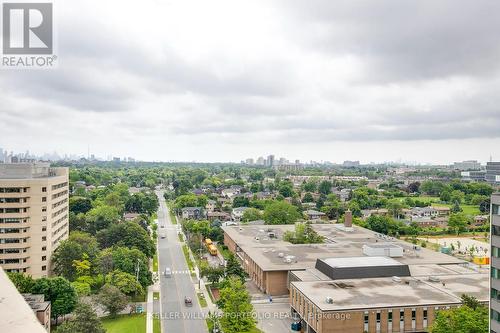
{"x":396,"y":279}
{"x":281,"y":254}
{"x":434,"y":279}
{"x":329,"y":300}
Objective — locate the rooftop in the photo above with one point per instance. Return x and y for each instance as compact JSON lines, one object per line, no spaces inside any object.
{"x":15,"y":314}
{"x":265,"y":251}
{"x":386,"y":292}
{"x":14,"y":171}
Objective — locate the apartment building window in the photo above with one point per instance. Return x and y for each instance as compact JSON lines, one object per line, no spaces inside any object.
{"x":44,"y":218}
{"x":44,"y":199}
{"x":44,"y":189}
{"x":44,"y":209}
{"x":44,"y":238}
{"x":366,"y":322}
{"x":389,"y":316}
{"x":44,"y":248}
{"x":495,"y":273}
{"x":495,"y":209}
{"x":496,"y":230}
{"x":495,"y":294}
{"x":44,"y":228}
{"x":378,"y":317}
{"x":44,"y":258}
{"x":495,"y":315}
{"x":44,"y":268}
{"x":495,"y":252}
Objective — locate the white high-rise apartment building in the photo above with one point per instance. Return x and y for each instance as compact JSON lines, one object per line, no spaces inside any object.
{"x":33,"y":216}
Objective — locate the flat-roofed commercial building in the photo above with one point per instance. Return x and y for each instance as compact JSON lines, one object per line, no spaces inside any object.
{"x":268,"y":259}
{"x":33,"y":216}
{"x":495,"y":263}
{"x":356,"y":281}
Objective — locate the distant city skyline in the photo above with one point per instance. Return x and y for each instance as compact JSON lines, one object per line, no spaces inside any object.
{"x":249,"y":160}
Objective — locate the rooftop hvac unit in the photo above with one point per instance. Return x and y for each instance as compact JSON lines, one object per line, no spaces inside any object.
{"x":329,"y":300}
{"x":281,"y":254}
{"x":288,"y":260}
{"x":396,"y":279}
{"x":434,"y":279}
{"x":257,"y":238}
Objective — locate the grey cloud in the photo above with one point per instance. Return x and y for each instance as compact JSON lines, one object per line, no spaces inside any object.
{"x":405,"y":40}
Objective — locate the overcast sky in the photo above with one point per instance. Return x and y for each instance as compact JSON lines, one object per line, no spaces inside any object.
{"x":226,"y":80}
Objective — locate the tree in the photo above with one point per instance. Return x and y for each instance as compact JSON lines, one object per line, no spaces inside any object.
{"x":281,"y":212}
{"x":325,"y":187}
{"x":75,"y":248}
{"x":251,"y":214}
{"x":84,"y":320}
{"x":236,"y":307}
{"x":383,"y":224}
{"x":395,"y":208}
{"x":79,"y":204}
{"x":24,"y":283}
{"x":233,"y":267}
{"x":64,"y":257}
{"x":100,"y":218}
{"x":59,"y":292}
{"x":458,"y":222}
{"x":464,"y":319}
{"x":126,"y":260}
{"x":127,"y":234}
{"x":310,"y":186}
{"x":308,"y":197}
{"x":286,"y":189}
{"x":125,"y":282}
{"x":111,"y":298}
{"x":81,"y":288}
{"x":240,"y":201}
{"x":213,"y":274}
{"x":303,"y":234}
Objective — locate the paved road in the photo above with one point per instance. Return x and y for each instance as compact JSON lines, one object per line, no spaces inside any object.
{"x":176,"y":317}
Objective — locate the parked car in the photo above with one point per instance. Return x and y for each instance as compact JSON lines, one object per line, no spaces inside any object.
{"x":168,"y":272}
{"x":188,"y":301}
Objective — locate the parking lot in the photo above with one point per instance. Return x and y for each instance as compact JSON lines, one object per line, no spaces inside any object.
{"x":273,"y":317}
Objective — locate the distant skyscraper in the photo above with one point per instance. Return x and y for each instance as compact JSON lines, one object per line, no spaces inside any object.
{"x":493,"y":173}
{"x":467,"y":165}
{"x":249,"y":161}
{"x":2,"y":157}
{"x":270,"y":161}
{"x":260,"y":161}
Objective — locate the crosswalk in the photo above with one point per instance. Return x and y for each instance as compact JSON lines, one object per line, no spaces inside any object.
{"x":181,"y":272}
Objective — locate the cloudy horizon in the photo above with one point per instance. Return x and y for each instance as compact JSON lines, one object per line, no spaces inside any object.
{"x":412,"y":81}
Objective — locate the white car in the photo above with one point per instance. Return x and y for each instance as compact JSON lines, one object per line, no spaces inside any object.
{"x":168,"y":272}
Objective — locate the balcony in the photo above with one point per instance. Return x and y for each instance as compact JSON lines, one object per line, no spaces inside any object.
{"x":21,"y":215}
{"x":20,"y":255}
{"x":14,"y":205}
{"x":20,"y":265}
{"x":20,"y":245}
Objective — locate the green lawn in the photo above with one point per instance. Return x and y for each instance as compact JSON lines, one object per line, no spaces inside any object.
{"x":155,"y":263}
{"x":135,"y":323}
{"x":202,"y":300}
{"x":189,"y":262}
{"x":181,"y":238}
{"x":467,"y":209}
{"x":156,"y":325}
{"x":423,"y":198}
